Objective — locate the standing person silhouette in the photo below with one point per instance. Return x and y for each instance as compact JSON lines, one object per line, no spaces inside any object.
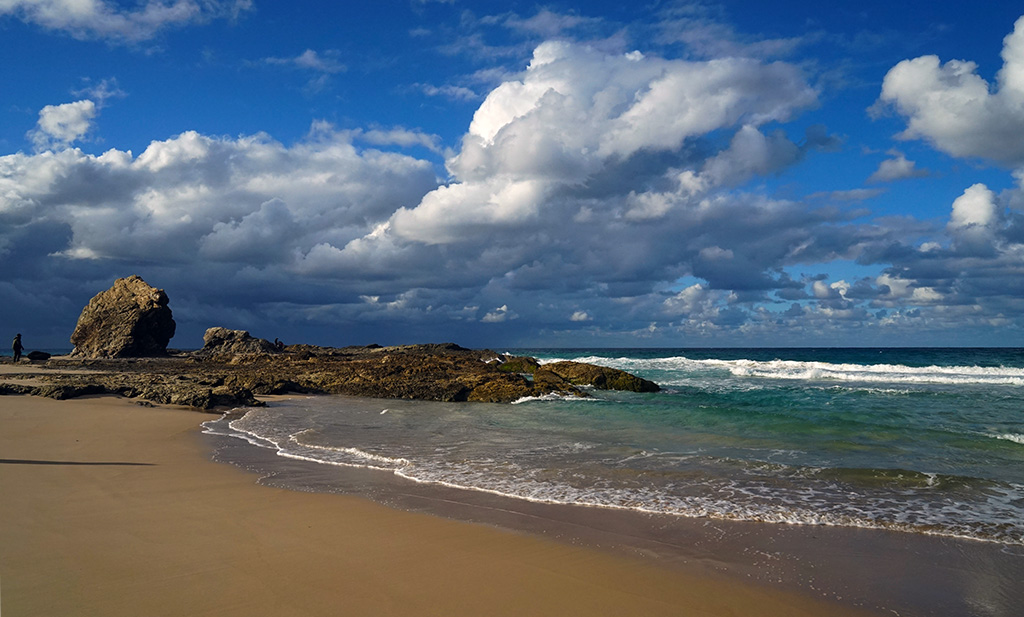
{"x":17,"y":347}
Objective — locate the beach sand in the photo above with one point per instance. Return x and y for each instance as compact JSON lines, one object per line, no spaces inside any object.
{"x":110,"y":508}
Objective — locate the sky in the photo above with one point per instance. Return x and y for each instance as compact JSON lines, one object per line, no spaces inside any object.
{"x":715,"y":173}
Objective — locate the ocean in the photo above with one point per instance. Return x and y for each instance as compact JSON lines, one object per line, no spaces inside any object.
{"x":924,"y":441}
{"x":906,"y":443}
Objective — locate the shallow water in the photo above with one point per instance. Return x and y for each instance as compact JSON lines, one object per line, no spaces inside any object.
{"x":921,"y":450}
{"x":914,"y":442}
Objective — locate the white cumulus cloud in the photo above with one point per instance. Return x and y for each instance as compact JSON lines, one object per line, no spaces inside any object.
{"x":498,"y":315}
{"x":248,"y":198}
{"x":975,"y":220}
{"x":62,"y":125}
{"x":580,"y":316}
{"x":577,"y":113}
{"x":959,"y":112}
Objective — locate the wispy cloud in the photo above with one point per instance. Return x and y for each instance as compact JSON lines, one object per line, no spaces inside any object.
{"x":323,"y":65}
{"x":706,"y":33}
{"x":322,"y":130}
{"x":101,"y":91}
{"x":456,"y":93}
{"x":310,"y":60}
{"x":106,"y":20}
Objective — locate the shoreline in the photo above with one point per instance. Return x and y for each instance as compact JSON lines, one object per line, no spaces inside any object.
{"x":885,"y":571}
{"x":111,"y":508}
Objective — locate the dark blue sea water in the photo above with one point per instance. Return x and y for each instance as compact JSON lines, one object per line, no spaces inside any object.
{"x":925,"y":441}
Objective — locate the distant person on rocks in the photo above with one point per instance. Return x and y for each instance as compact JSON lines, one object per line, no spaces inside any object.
{"x":17,"y":347}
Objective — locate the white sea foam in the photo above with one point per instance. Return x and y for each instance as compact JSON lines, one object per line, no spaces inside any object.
{"x":731,"y":501}
{"x":1014,"y":437}
{"x":889,"y":373}
{"x":389,"y":462}
{"x":215,"y":427}
{"x":302,"y":451}
{"x":248,"y":435}
{"x":553,"y":396}
{"x":686,"y":369}
{"x":322,"y":461}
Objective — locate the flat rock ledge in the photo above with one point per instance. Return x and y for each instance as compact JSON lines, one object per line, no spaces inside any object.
{"x":235,"y":375}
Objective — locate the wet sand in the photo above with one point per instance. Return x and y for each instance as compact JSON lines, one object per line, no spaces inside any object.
{"x":110,"y":508}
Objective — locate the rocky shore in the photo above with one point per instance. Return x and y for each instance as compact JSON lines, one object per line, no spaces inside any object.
{"x":121,"y":348}
{"x":213,"y":378}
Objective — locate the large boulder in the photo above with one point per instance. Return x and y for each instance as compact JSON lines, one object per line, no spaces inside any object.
{"x":131,"y":319}
{"x":223,"y":342}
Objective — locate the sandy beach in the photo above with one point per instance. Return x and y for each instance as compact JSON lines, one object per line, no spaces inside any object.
{"x":111,"y":508}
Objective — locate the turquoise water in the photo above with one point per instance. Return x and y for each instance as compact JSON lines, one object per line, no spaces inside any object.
{"x":916,"y":440}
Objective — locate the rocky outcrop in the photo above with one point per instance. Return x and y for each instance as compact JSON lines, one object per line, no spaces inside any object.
{"x":425,"y":372}
{"x":226,"y":343}
{"x":600,"y":377}
{"x":131,"y":319}
{"x":430,"y":372}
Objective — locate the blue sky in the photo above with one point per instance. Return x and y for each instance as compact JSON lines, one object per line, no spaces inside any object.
{"x":710,"y":173}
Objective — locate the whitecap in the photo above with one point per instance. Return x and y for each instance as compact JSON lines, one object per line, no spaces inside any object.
{"x":685,"y":369}
{"x":1014,"y":437}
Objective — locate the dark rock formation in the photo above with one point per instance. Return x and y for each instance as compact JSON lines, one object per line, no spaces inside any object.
{"x":425,"y":372}
{"x":601,"y":377}
{"x":131,"y":319}
{"x":226,"y":343}
{"x":37,"y":356}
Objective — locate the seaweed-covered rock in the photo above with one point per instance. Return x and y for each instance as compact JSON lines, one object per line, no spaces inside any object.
{"x":131,"y":319}
{"x":548,"y":380}
{"x":519,"y":364}
{"x":601,"y":377}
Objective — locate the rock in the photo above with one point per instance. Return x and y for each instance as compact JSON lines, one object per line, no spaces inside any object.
{"x":207,"y":398}
{"x":223,"y":342}
{"x":215,"y":381}
{"x":601,"y":377}
{"x":499,"y":391}
{"x":545,"y":379}
{"x":65,"y":391}
{"x":131,"y":319}
{"x":16,"y":388}
{"x":37,"y":356}
{"x":519,"y":364}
